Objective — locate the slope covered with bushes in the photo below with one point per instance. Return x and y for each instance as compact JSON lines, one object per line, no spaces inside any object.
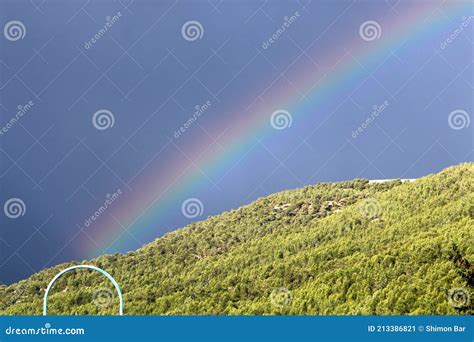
{"x":336,"y":248}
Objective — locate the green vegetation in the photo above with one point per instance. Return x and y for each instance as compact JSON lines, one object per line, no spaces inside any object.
{"x":349,"y":248}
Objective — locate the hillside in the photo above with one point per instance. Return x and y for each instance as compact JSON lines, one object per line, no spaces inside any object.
{"x":333,"y":248}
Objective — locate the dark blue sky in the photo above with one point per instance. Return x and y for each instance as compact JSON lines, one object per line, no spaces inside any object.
{"x":184,"y":116}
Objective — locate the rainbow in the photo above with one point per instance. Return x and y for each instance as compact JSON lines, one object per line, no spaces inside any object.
{"x":153,"y":195}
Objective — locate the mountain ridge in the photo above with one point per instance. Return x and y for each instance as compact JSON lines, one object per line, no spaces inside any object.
{"x":352,"y":247}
